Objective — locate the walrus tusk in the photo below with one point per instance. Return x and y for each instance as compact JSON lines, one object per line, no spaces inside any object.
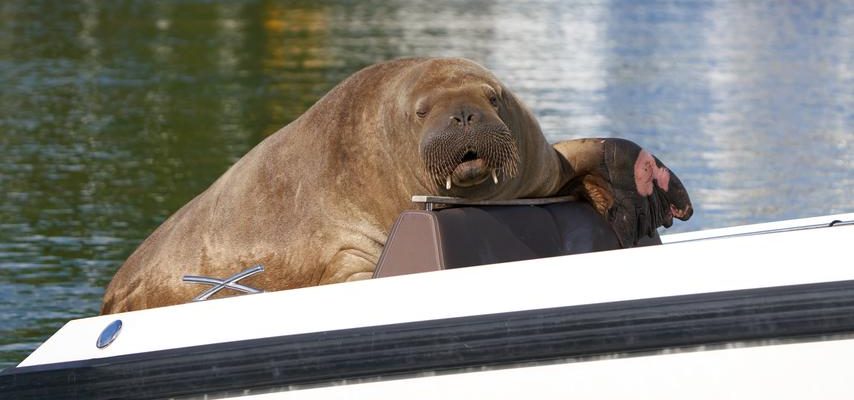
{"x":494,"y":177}
{"x":448,"y":183}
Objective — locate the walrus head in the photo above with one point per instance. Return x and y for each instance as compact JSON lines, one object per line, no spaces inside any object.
{"x":466,"y":148}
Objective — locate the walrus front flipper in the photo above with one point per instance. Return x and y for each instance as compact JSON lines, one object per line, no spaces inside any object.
{"x":629,"y":186}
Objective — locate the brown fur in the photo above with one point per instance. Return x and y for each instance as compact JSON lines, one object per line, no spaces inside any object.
{"x":314,"y":202}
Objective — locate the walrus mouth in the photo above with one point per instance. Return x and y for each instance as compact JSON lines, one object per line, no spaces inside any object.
{"x":471,"y":171}
{"x":455,"y":157}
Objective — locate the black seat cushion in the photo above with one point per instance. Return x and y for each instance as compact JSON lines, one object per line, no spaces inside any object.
{"x":476,"y":235}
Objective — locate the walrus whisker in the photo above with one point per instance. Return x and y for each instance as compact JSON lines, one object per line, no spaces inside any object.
{"x":492,"y":144}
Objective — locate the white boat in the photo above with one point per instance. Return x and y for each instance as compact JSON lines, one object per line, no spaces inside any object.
{"x":756,"y":311}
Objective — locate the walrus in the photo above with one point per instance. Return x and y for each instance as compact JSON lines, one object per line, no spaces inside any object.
{"x":314,"y":202}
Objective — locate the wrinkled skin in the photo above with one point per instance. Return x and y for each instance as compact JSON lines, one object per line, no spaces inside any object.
{"x":314,"y":202}
{"x":629,"y":186}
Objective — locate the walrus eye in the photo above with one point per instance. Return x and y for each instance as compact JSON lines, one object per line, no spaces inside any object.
{"x":494,"y":101}
{"x":422,"y":108}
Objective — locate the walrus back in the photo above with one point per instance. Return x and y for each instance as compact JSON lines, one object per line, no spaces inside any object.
{"x":269,"y":206}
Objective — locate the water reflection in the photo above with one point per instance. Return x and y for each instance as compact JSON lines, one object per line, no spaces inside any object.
{"x":780,"y":128}
{"x":562,"y":75}
{"x":114,"y":114}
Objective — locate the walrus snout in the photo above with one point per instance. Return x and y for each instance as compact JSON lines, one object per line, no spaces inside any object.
{"x":469,"y":150}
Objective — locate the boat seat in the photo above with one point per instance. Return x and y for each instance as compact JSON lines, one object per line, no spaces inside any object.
{"x":462,"y":235}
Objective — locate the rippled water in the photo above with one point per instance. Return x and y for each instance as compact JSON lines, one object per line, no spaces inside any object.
{"x":114,"y":114}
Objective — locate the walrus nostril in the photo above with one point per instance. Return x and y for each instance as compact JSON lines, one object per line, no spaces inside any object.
{"x":469,"y":156}
{"x":466,"y":117}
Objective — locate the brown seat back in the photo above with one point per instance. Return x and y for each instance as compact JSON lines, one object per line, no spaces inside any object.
{"x":456,"y":237}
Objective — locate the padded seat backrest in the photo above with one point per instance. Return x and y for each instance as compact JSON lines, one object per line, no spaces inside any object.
{"x":422,"y":241}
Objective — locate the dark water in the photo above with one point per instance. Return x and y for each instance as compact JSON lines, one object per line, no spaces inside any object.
{"x":114,"y":114}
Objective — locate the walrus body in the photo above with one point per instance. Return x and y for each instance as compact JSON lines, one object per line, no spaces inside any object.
{"x":313,"y":202}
